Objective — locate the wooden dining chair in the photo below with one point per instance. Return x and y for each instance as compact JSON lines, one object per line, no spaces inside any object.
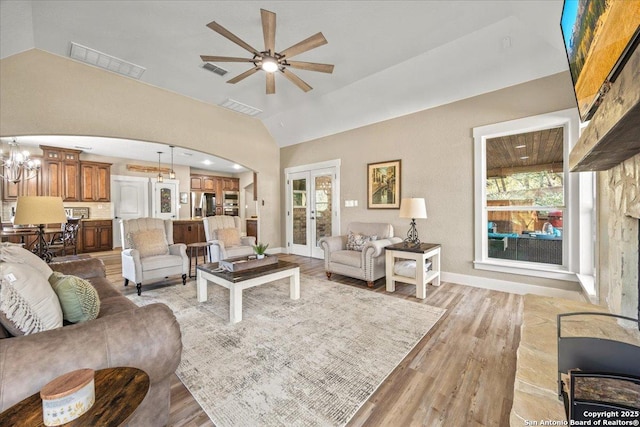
{"x":66,"y":242}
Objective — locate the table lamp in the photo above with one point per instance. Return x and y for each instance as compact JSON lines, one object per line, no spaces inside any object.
{"x":40,"y":210}
{"x":413,"y":208}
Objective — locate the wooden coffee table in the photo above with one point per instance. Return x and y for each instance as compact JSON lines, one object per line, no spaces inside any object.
{"x":119,"y":391}
{"x":238,"y":281}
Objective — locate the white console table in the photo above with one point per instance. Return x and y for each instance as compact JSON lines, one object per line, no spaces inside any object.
{"x":420,"y":252}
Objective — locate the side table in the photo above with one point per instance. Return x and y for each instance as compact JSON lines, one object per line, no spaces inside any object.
{"x":119,"y":391}
{"x":195,"y":247}
{"x":420,"y":253}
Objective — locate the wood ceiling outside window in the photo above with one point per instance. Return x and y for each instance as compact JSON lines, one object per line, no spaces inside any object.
{"x":543,"y":150}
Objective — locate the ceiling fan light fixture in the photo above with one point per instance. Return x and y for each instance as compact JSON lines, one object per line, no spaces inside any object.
{"x":270,"y":60}
{"x":269,"y":64}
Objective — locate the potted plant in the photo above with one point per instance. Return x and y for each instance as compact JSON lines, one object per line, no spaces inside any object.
{"x":260,"y":249}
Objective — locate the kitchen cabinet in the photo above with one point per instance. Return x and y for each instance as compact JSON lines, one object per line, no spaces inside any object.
{"x":96,"y":236}
{"x":204,"y":183}
{"x":196,"y":183}
{"x":214,"y":184}
{"x":61,"y":173}
{"x":252,"y":228}
{"x":188,"y":232}
{"x":209,"y":183}
{"x":230,"y":184}
{"x":29,"y":187}
{"x":95,"y":181}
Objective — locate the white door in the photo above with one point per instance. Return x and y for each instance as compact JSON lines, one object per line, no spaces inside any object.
{"x":130,"y":199}
{"x":164,"y":199}
{"x":312,"y":210}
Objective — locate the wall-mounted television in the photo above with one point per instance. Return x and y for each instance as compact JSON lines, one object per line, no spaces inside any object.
{"x":599,"y":36}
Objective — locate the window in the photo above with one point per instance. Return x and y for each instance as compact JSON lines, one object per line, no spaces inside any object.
{"x":525,"y":196}
{"x":527,"y":202}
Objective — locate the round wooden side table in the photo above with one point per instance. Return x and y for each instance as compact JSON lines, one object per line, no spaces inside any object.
{"x":119,"y":391}
{"x":195,"y":247}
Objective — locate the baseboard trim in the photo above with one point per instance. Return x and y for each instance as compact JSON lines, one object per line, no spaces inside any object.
{"x":509,"y":286}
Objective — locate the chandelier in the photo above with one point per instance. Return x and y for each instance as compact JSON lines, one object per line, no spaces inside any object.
{"x":16,"y":165}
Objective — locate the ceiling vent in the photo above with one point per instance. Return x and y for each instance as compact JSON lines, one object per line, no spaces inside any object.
{"x":108,"y":62}
{"x":214,"y":69}
{"x":240,"y":107}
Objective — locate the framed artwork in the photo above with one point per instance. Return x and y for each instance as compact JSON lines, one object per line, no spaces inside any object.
{"x":383,"y":185}
{"x":184,"y":197}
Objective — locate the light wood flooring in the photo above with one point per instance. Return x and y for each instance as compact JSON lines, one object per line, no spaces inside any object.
{"x":460,"y":374}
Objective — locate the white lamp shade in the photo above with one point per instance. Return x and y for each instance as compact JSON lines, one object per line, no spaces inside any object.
{"x":39,"y":210}
{"x":414,"y":207}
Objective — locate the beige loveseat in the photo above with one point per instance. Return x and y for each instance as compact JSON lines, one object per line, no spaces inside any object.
{"x":367,"y":263}
{"x":146,"y":337}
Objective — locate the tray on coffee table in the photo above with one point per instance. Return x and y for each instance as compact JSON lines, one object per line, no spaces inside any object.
{"x":247,"y":263}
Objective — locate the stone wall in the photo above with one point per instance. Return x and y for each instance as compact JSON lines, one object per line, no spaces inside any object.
{"x":618,"y":279}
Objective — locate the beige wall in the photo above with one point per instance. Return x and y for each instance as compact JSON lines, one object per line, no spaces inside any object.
{"x":44,"y":94}
{"x":436,"y":149}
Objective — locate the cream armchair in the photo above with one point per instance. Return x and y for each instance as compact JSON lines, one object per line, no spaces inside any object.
{"x":148,"y":251}
{"x":223,"y":232}
{"x":362,"y":256}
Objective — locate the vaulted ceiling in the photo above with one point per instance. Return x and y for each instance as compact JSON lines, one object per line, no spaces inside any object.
{"x":391,"y":57}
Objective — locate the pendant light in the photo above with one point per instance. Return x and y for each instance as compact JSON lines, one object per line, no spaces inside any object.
{"x":172,"y":173}
{"x":160,"y":178}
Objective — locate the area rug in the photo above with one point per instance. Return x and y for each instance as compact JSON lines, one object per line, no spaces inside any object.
{"x":308,"y":362}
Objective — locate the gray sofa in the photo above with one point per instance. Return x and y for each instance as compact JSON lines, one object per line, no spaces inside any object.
{"x":367,"y":264}
{"x":146,"y":337}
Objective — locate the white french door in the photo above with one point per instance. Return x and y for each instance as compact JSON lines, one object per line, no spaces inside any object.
{"x":312,"y":209}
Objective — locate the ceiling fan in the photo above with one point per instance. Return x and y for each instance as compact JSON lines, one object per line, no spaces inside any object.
{"x":269,"y":60}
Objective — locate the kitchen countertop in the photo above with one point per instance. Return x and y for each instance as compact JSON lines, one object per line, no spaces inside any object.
{"x":193,"y":219}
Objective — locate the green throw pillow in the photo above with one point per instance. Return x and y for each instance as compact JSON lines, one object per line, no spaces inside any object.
{"x":78,"y":298}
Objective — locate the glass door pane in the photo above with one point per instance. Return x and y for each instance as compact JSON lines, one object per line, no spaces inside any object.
{"x":322,"y":209}
{"x":299,"y":197}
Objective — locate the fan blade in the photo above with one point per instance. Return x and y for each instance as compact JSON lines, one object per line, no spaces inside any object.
{"x":271,"y":83}
{"x":296,"y":80}
{"x":244,"y":75}
{"x":228,"y":34}
{"x":305,"y":45}
{"x":311,"y":66}
{"x":209,"y":58}
{"x":269,"y":30}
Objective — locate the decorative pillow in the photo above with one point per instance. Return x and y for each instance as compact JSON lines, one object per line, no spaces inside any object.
{"x":149,"y":242}
{"x":229,"y":236}
{"x":27,"y":302}
{"x":356,"y":242}
{"x":13,"y":252}
{"x":78,"y":298}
